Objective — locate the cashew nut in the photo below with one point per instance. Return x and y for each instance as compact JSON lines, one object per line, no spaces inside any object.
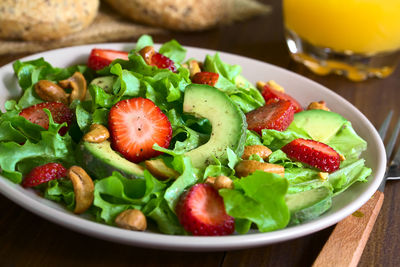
{"x":97,"y":134}
{"x":160,"y":170}
{"x":147,"y":53}
{"x":194,"y":67}
{"x":318,"y":105}
{"x":260,"y":85}
{"x":83,"y":188}
{"x":77,"y":83}
{"x":272,"y":84}
{"x":210,"y":180}
{"x":323,"y":176}
{"x":223,"y":182}
{"x":219,"y":182}
{"x":131,"y":219}
{"x":247,"y":167}
{"x":259,"y":150}
{"x":49,"y":91}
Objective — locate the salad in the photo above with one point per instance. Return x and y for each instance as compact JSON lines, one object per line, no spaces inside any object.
{"x":149,"y":139}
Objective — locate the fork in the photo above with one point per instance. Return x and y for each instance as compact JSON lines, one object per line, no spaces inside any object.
{"x":347,"y":241}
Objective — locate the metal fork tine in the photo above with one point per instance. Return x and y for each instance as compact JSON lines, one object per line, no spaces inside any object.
{"x":396,"y":159}
{"x":385,"y":125}
{"x":392,"y":141}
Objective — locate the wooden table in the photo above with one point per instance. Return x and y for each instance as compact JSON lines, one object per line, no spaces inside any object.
{"x":26,"y":239}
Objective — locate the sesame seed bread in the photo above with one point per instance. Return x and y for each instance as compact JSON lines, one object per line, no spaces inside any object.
{"x":174,"y":14}
{"x":42,"y":20}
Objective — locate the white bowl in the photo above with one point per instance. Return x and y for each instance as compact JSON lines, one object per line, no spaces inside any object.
{"x":303,"y":89}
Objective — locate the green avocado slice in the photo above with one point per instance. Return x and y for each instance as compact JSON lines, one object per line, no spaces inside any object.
{"x":100,"y":160}
{"x":227,"y":120}
{"x":320,"y":125}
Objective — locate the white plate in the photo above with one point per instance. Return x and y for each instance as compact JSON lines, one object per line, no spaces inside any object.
{"x":303,"y":89}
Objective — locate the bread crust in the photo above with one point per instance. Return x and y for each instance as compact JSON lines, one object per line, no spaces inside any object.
{"x":181,"y":15}
{"x":43,"y":20}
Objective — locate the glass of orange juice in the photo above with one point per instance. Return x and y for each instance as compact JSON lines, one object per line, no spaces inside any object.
{"x":355,"y":38}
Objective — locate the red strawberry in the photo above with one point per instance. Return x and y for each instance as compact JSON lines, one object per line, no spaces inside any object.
{"x":201,"y":211}
{"x":135,"y":125}
{"x":314,"y":153}
{"x":44,"y":173}
{"x":60,"y":113}
{"x":153,"y":58}
{"x":269,"y":93}
{"x":100,"y":58}
{"x":162,"y":62}
{"x":275,"y":115}
{"x":205,"y":77}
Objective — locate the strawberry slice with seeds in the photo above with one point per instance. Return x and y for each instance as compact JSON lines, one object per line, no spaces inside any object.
{"x":313,"y":153}
{"x":100,"y":58}
{"x":163,"y":62}
{"x":201,"y":211}
{"x":137,"y":124}
{"x":205,"y":77}
{"x":275,"y":115}
{"x":153,"y":58}
{"x":271,"y":94}
{"x":59,"y":111}
{"x":44,"y":173}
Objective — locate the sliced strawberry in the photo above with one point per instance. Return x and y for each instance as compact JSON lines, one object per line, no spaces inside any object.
{"x":275,"y":115}
{"x":153,"y":58}
{"x":100,"y":58}
{"x":137,"y":124}
{"x":44,"y":173}
{"x":162,"y":62}
{"x":60,"y":113}
{"x":201,"y":211}
{"x":269,"y":93}
{"x":205,"y":77}
{"x":313,"y":153}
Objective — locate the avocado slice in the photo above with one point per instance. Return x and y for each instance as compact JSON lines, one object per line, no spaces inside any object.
{"x":227,"y":120}
{"x":100,"y":160}
{"x":309,"y":204}
{"x":105,"y":82}
{"x":320,"y":125}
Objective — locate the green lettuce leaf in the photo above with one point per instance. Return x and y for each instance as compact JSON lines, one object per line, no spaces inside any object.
{"x":17,"y":159}
{"x":61,"y":191}
{"x":259,"y":198}
{"x":116,"y":193}
{"x":174,"y":51}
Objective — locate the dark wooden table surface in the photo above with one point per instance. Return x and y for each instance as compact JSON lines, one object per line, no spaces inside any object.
{"x":28,"y":240}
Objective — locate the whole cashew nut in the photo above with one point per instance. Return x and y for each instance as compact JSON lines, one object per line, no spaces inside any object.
{"x":49,"y":91}
{"x":259,"y":150}
{"x":147,"y":53}
{"x":97,"y":134}
{"x":318,"y":105}
{"x":247,"y":167}
{"x":194,"y":67}
{"x":77,"y":83}
{"x":131,"y":219}
{"x":83,"y":188}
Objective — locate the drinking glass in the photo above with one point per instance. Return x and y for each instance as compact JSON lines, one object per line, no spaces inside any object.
{"x":354,"y":38}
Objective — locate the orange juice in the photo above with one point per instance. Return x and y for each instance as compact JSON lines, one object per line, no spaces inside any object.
{"x":359,"y":26}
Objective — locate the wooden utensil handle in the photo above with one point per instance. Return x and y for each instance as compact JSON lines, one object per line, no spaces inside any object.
{"x":347,"y":241}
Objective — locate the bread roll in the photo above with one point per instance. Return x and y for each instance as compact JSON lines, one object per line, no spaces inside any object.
{"x":174,"y":14}
{"x":43,"y":20}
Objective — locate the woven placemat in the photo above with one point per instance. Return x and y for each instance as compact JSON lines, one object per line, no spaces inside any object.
{"x":109,"y":26}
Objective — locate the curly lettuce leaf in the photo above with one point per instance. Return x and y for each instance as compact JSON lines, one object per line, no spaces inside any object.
{"x":16,"y":159}
{"x":188,"y":177}
{"x":174,"y":51}
{"x":116,"y":193}
{"x":61,"y":191}
{"x":259,"y":198}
